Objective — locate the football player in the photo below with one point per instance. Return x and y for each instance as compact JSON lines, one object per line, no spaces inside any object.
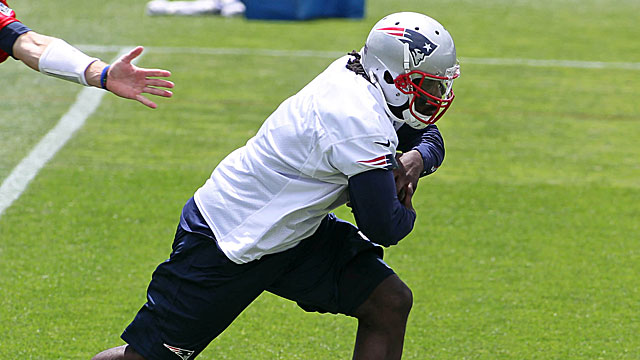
{"x":263,"y":220}
{"x":55,"y":57}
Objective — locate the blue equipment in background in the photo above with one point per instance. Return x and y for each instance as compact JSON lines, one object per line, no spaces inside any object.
{"x":303,"y":9}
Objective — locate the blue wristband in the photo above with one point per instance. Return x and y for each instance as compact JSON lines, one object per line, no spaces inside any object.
{"x":103,"y":77}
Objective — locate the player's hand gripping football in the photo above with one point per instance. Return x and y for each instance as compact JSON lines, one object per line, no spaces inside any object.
{"x":129,"y":81}
{"x":407,"y":174}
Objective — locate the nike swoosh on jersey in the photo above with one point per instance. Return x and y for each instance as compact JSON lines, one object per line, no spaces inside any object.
{"x":387,"y":144}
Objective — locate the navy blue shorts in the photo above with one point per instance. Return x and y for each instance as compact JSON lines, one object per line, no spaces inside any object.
{"x":198,"y":291}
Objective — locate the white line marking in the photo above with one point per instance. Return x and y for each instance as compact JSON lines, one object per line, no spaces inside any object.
{"x":90,"y":98}
{"x":578,"y":64}
{"x":554,"y":63}
{"x":86,"y":103}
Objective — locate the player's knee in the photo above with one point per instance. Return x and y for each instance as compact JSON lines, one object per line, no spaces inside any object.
{"x":398,"y":299}
{"x":124,"y":352}
{"x":391,"y":299}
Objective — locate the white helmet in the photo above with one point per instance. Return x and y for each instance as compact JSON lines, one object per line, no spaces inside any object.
{"x":402,"y":51}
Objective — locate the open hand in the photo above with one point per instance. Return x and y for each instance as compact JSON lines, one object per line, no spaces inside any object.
{"x":129,"y":81}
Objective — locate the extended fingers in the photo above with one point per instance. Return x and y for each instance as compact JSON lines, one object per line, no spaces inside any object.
{"x":160,"y":83}
{"x":156,"y":73}
{"x":157,"y":92}
{"x":128,"y":57}
{"x":146,"y":101}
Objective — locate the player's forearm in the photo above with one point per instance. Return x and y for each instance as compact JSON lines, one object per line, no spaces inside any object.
{"x":55,"y":57}
{"x":29,"y":48}
{"x":377,"y":210}
{"x":428,"y":142}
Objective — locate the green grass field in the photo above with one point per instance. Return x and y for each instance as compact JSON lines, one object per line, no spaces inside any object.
{"x":528,"y":238}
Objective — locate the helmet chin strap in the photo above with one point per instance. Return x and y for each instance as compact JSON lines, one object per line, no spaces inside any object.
{"x":412,"y":121}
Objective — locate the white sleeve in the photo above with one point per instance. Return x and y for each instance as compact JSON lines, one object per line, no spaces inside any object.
{"x":355,"y":156}
{"x":64,"y":61}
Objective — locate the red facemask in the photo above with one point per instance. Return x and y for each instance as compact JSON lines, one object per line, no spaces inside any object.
{"x":425,"y":107}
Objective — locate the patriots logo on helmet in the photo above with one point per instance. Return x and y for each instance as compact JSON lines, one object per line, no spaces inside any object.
{"x":419,"y":45}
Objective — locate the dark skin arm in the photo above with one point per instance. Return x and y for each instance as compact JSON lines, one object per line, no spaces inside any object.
{"x":408,"y":173}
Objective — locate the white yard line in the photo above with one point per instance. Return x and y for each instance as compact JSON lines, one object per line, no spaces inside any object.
{"x":86,"y":103}
{"x":90,"y":98}
{"x":578,"y":64}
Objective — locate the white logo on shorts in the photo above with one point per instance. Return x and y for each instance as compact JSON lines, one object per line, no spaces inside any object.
{"x":184,"y":354}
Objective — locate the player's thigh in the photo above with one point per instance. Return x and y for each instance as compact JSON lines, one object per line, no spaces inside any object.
{"x":335,"y":271}
{"x":193,"y":297}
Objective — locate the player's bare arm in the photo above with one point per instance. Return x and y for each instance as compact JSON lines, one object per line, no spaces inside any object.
{"x":29,"y":47}
{"x":126,"y":80}
{"x":55,"y":57}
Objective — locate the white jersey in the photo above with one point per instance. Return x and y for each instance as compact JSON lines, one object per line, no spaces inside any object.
{"x":270,"y":194}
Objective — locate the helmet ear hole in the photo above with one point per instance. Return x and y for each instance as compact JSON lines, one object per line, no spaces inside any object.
{"x":388,"y":78}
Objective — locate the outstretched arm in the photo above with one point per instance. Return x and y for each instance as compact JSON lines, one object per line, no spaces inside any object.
{"x":129,"y":81}
{"x":57,"y":58}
